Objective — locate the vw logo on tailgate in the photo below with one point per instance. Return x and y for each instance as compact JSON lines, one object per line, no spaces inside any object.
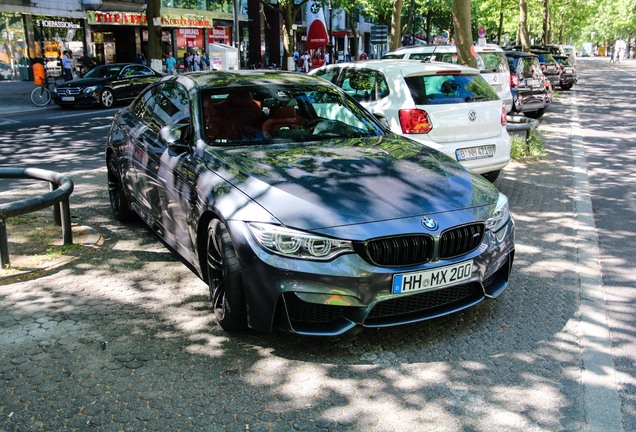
{"x":472,"y":115}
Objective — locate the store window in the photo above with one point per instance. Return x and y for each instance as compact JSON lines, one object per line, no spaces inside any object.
{"x":14,"y":63}
{"x":53,"y":36}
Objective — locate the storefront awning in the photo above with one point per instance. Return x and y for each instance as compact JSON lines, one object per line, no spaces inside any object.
{"x":317,"y":35}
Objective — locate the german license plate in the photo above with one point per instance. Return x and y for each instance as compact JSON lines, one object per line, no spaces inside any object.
{"x":432,"y":279}
{"x":68,"y":98}
{"x":475,"y":152}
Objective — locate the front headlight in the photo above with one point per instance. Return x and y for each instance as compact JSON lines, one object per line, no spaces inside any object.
{"x":298,"y":244}
{"x":90,"y":90}
{"x":500,"y":216}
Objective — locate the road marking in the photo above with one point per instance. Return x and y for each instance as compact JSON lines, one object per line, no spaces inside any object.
{"x":600,"y":388}
{"x":8,"y":122}
{"x":86,"y":113}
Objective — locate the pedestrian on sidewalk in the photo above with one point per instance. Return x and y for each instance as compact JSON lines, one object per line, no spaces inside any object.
{"x":67,"y":66}
{"x":171,"y":62}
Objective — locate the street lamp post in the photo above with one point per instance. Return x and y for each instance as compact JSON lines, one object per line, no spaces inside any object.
{"x":330,"y":45}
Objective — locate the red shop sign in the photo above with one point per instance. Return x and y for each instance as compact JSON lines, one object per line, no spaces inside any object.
{"x":190,"y":38}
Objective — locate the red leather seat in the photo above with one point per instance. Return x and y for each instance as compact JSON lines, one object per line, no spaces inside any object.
{"x":238,"y":117}
{"x":281,"y":117}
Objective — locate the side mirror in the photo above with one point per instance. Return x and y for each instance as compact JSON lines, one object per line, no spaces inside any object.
{"x":175,"y":135}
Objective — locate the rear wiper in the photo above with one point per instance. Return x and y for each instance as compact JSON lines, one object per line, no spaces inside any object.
{"x":474,"y":98}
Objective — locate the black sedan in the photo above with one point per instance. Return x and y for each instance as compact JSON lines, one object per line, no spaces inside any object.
{"x":106,"y":85}
{"x":299,"y":209}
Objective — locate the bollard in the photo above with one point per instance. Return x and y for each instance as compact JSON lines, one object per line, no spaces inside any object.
{"x":60,"y":189}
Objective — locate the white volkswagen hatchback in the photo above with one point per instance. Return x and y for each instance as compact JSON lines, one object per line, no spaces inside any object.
{"x":448,"y":107}
{"x":491,"y":61}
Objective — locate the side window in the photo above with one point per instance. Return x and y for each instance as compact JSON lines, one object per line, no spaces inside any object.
{"x":144,"y":105}
{"x":420,"y":56}
{"x":364,"y":85}
{"x":330,"y":74}
{"x":132,"y":71}
{"x":172,"y":105}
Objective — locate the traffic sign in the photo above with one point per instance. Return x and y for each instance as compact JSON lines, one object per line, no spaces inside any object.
{"x":481,"y":32}
{"x":379,"y":34}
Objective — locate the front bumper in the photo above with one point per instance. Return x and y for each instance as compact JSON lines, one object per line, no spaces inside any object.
{"x":327,"y":299}
{"x":75,"y":98}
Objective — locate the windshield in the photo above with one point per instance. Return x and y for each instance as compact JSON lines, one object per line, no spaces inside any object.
{"x":282,"y":114}
{"x":103,"y":71}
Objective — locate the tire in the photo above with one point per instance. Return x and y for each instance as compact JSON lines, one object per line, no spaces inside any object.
{"x":566,"y":86}
{"x":118,"y":202}
{"x":224,"y":279}
{"x":491,"y":176}
{"x":535,"y":114}
{"x":107,"y":98}
{"x":40,"y":96}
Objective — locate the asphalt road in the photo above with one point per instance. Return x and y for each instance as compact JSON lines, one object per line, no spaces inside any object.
{"x":123,"y":339}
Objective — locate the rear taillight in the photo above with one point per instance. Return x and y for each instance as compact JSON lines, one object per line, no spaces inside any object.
{"x":504,"y":115}
{"x":514,"y":80}
{"x":415,"y":121}
{"x":574,"y":69}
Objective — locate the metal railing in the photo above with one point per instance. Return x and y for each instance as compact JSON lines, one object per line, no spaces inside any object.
{"x":58,"y":197}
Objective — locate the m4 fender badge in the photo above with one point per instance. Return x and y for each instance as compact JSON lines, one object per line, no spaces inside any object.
{"x":429,"y":223}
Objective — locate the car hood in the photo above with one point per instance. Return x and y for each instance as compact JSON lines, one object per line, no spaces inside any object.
{"x":352,"y":181}
{"x":83,"y":82}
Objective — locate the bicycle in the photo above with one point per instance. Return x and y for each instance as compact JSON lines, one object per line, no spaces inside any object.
{"x":41,"y":95}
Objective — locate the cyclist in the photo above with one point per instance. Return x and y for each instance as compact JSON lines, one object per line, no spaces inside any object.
{"x":39,"y":74}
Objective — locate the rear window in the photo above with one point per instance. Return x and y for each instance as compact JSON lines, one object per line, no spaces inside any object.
{"x":493,"y":62}
{"x":528,"y":67}
{"x":449,"y":89}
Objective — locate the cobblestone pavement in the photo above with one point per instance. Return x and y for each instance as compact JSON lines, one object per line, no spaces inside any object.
{"x":122,"y":339}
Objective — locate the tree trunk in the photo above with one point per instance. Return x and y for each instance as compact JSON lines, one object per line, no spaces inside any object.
{"x":523,"y":26}
{"x":463,"y":33}
{"x":501,"y":17}
{"x":153,"y":10}
{"x":353,"y":25}
{"x":429,"y":25}
{"x":396,"y":26}
{"x":546,"y":23}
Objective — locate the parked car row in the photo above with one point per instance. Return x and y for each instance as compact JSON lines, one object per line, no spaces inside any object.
{"x":448,"y":107}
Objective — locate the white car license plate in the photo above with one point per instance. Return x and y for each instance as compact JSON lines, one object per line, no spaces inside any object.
{"x":475,"y":153}
{"x":68,"y":98}
{"x":432,"y":279}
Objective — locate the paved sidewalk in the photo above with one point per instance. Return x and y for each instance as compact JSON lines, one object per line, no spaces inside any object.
{"x":16,"y":97}
{"x":123,"y":339}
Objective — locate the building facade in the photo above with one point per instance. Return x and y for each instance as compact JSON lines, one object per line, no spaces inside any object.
{"x":106,"y":31}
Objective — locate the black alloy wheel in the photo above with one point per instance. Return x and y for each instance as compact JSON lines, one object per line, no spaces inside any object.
{"x":224,"y":279}
{"x":118,"y":202}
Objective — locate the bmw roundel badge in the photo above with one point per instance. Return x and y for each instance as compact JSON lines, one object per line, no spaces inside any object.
{"x":429,"y":223}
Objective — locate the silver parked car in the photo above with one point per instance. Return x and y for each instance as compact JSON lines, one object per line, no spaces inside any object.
{"x":299,"y":209}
